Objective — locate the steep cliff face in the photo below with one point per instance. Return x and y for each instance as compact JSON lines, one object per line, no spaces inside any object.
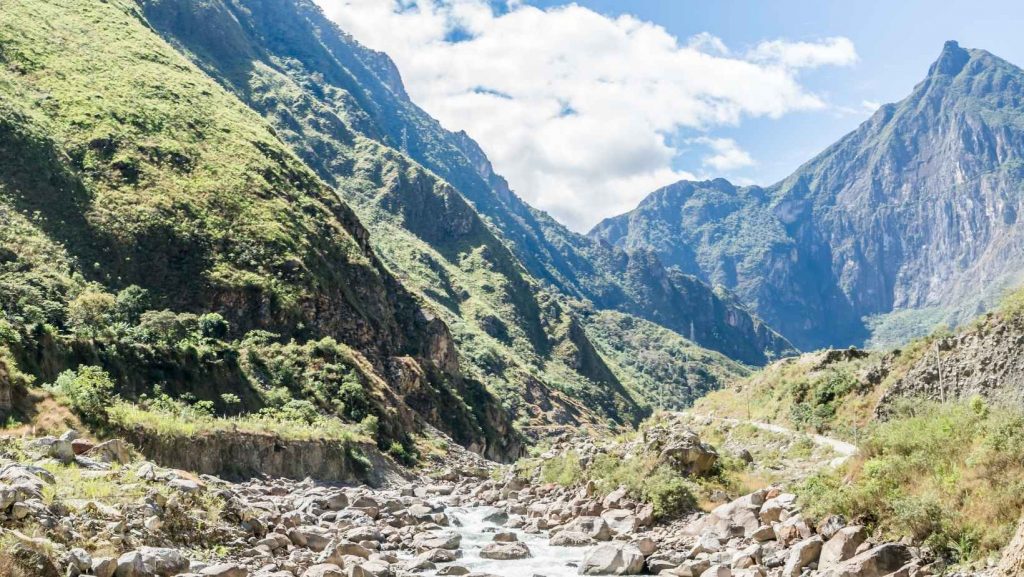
{"x":916,"y":209}
{"x":983,"y":360}
{"x":323,"y":90}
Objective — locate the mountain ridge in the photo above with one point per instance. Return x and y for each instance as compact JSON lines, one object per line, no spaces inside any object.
{"x":882,"y":216}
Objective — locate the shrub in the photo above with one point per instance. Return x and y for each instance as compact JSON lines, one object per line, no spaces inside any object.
{"x":165,"y":327}
{"x":564,"y":470}
{"x":668,"y":491}
{"x":950,"y":476}
{"x":398,"y":452}
{"x":213,"y":326}
{"x":89,"y":391}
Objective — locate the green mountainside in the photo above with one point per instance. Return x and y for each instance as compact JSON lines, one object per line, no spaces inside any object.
{"x":320,"y":88}
{"x":338,"y":104}
{"x":206,"y":199}
{"x":909,"y":221}
{"x":125,"y":167}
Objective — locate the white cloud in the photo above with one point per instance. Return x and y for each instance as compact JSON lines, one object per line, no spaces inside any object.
{"x":727,"y":155}
{"x":870,"y":105}
{"x":837,"y":51}
{"x":572,"y":106}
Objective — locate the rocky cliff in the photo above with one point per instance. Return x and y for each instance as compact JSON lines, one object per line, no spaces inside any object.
{"x":914,"y":210}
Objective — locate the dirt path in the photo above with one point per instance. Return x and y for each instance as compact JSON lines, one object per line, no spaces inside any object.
{"x":844,"y":449}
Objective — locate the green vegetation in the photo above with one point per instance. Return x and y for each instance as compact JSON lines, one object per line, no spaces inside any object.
{"x":664,"y":369}
{"x":825,"y":392}
{"x":950,"y":476}
{"x":174,"y":418}
{"x":89,"y":391}
{"x":670,"y":493}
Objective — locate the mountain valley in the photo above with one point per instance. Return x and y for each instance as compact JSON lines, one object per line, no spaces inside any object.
{"x":261,"y":315}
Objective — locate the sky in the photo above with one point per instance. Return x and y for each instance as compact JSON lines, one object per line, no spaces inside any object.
{"x":587,"y":107}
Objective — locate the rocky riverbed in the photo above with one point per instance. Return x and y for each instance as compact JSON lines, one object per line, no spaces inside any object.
{"x":69,"y":507}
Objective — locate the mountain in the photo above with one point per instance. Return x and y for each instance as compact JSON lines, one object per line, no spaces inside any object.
{"x":234,"y":206}
{"x":908,"y":221}
{"x":443,"y":231}
{"x":321,"y":89}
{"x":127,"y":171}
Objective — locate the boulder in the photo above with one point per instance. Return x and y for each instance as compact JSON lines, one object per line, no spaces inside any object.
{"x":324,"y":570}
{"x":224,"y":570}
{"x":596,"y":527}
{"x":612,"y":559}
{"x":436,"y":540}
{"x":828,"y":526}
{"x":104,"y":566}
{"x":741,"y":514}
{"x":801,"y":555}
{"x":571,"y":539}
{"x":717,"y":571}
{"x":614,"y":498}
{"x":151,"y":562}
{"x":505,"y":551}
{"x":842,"y":546}
{"x":310,"y":537}
{"x":792,"y":530}
{"x":112,"y":451}
{"x":505,"y":537}
{"x":621,"y":521}
{"x":1012,"y":562}
{"x":681,"y":449}
{"x":875,"y":562}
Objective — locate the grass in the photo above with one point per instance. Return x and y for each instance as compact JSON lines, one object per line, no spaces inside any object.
{"x":130,"y":416}
{"x":949,"y":476}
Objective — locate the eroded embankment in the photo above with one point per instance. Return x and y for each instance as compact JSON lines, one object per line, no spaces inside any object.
{"x":242,"y":455}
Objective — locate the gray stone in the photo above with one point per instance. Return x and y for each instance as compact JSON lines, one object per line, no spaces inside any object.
{"x":612,"y":559}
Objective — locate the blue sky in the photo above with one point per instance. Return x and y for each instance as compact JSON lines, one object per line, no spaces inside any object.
{"x":896,"y":41}
{"x":587,"y":107}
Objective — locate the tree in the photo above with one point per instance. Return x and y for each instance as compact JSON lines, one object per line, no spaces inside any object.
{"x":90,"y":313}
{"x":132,"y":301}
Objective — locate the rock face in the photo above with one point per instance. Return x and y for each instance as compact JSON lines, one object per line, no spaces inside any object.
{"x":984,"y":359}
{"x":1012,"y":563}
{"x":237,"y":455}
{"x":915,"y":209}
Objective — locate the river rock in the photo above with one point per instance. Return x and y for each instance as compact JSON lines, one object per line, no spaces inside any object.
{"x":505,"y":537}
{"x":842,"y":546}
{"x":437,"y":540}
{"x":224,"y":570}
{"x":571,"y":539}
{"x":612,"y":559}
{"x":596,"y":527}
{"x":324,"y":570}
{"x":505,"y":551}
{"x":801,"y":555}
{"x":151,"y":562}
{"x":875,"y":562}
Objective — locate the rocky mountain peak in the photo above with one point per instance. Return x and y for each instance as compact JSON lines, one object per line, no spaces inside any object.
{"x":951,"y":61}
